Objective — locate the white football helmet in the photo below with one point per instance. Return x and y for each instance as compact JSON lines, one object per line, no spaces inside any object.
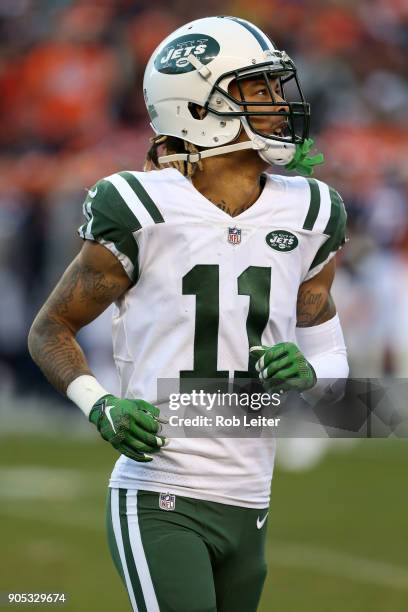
{"x":194,"y":67}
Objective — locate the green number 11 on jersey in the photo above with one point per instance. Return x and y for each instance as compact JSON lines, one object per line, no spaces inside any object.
{"x":203,"y":282}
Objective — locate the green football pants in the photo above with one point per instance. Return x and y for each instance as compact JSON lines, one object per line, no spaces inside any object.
{"x":177,"y":554}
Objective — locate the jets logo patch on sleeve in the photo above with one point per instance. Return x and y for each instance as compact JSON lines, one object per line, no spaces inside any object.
{"x":281,"y":240}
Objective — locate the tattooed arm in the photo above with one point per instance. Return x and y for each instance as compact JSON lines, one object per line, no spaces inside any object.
{"x":314,"y":303}
{"x":319,"y":353}
{"x":320,"y":337}
{"x":90,"y":284}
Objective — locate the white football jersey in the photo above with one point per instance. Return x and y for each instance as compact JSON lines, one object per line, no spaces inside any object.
{"x":206,"y":287}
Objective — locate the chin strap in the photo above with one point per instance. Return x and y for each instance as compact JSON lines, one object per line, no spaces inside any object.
{"x":301,"y":162}
{"x":257,"y":144}
{"x":195,"y":157}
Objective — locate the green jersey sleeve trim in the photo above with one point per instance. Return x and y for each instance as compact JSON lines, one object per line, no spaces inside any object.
{"x":314,"y":205}
{"x":143,"y":196}
{"x":335,"y":229}
{"x":110,"y":222}
{"x":136,"y":198}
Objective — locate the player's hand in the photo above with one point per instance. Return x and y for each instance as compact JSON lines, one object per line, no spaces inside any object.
{"x":129,"y":425}
{"x":283,"y":367}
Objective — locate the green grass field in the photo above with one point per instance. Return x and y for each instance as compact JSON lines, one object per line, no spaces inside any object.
{"x":337,"y":533}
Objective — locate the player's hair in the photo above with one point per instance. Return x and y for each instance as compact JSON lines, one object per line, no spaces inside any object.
{"x":171,"y":145}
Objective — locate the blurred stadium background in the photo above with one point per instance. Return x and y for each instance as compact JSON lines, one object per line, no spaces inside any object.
{"x":72,"y":111}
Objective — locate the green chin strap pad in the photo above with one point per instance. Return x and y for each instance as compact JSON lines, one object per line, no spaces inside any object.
{"x":303,"y":163}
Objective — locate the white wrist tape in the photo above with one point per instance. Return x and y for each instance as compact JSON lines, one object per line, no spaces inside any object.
{"x":324,"y":348}
{"x":84,"y":391}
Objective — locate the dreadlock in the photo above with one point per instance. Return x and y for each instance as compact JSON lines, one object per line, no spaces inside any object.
{"x":171,"y":145}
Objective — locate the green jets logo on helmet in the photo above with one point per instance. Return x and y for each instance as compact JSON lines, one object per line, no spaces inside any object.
{"x":172,"y":59}
{"x":281,"y":240}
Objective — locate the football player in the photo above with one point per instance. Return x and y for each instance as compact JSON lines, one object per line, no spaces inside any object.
{"x":217,"y":270}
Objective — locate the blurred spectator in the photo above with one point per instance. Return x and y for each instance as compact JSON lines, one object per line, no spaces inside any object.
{"x":65,"y":86}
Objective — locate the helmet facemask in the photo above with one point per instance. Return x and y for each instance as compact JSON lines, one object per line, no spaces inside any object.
{"x":288,"y":103}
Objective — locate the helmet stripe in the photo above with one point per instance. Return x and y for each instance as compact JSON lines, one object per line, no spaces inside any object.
{"x":263,"y":40}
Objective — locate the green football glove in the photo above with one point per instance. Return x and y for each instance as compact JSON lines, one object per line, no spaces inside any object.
{"x":283,"y":367}
{"x":129,"y":425}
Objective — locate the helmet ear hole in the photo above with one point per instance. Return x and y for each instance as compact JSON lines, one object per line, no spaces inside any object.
{"x":197,"y":111}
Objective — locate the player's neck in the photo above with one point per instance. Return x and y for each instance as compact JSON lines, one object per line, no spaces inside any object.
{"x":230,"y":184}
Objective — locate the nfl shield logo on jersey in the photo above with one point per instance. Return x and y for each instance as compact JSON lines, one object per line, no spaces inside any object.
{"x":234,"y":235}
{"x":167,"y":501}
